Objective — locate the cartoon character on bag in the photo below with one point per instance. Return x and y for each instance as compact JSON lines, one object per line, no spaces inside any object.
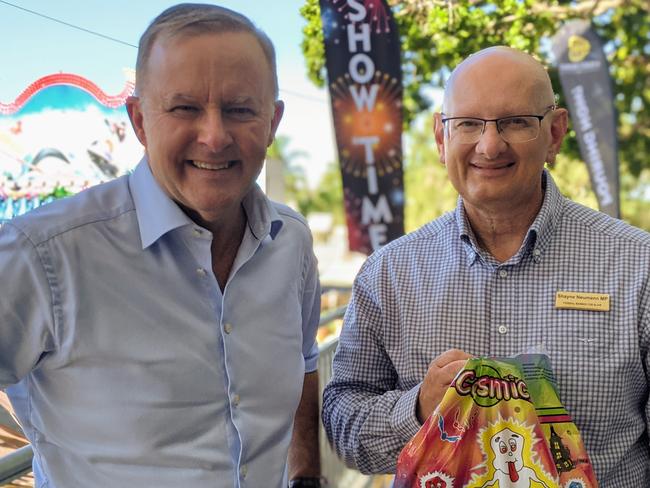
{"x":436,"y":480}
{"x":508,"y":463}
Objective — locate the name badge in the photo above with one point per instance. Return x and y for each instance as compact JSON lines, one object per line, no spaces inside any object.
{"x":575,"y":300}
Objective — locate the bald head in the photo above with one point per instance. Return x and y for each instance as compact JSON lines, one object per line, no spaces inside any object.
{"x":505,"y":68}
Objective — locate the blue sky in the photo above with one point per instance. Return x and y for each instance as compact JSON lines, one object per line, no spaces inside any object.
{"x":33,"y":47}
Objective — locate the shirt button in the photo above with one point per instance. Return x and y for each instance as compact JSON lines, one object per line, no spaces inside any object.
{"x":235,"y":400}
{"x":201,"y":272}
{"x":197,"y":232}
{"x":536,"y":252}
{"x":227,"y":328}
{"x":243,"y":470}
{"x":502,"y":329}
{"x":503,"y":273}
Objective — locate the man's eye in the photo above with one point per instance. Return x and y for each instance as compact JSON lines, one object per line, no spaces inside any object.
{"x":468,"y":123}
{"x":516,"y":123}
{"x":239,"y":111}
{"x":184,"y":109}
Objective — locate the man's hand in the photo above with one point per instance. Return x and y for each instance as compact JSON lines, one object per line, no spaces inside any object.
{"x":442,"y":370}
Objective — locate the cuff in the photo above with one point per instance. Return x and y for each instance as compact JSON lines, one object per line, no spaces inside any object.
{"x":404,"y":419}
{"x":311,"y":360}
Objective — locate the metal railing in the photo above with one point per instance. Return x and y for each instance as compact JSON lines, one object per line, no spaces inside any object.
{"x":16,"y":464}
{"x":19,"y":462}
{"x":332,"y":468}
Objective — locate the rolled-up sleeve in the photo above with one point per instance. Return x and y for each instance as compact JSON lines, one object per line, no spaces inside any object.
{"x":26,"y":316}
{"x":310,"y":312}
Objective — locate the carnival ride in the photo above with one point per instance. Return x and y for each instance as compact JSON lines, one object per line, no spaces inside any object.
{"x":61,"y":135}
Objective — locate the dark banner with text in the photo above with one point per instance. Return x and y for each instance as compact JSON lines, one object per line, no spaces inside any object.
{"x":587,"y":86}
{"x":365,"y":83}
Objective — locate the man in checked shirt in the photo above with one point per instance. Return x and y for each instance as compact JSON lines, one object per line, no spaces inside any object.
{"x":488,"y":279}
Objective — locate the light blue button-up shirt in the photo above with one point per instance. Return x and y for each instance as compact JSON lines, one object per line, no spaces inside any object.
{"x":130,"y":366}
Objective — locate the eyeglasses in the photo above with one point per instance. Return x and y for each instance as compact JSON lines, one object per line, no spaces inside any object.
{"x":515,"y":128}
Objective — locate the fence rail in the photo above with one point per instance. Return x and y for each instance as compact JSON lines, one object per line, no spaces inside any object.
{"x":15,"y":464}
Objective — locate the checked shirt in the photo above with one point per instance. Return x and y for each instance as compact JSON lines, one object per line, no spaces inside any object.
{"x":436,"y":289}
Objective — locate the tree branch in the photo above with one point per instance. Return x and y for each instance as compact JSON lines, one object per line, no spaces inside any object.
{"x":584,"y":9}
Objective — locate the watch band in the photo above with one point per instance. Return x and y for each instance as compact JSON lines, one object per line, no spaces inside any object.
{"x":304,"y":482}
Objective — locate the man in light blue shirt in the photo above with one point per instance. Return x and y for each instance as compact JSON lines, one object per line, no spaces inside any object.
{"x":159,"y":330}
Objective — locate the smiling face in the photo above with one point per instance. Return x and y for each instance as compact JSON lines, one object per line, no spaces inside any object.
{"x":206,"y":115}
{"x":491,"y":173}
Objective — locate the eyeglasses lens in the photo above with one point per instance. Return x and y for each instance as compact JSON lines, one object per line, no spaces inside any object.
{"x":511,"y":129}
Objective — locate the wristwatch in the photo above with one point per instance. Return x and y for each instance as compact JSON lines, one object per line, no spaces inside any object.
{"x":304,"y":482}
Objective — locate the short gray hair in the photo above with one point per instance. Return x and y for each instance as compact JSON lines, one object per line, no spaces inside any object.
{"x":196,"y":19}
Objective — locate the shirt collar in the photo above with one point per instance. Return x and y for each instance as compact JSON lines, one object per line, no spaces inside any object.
{"x":263,"y":219}
{"x":544,"y":224}
{"x":539,"y":233}
{"x":465,"y":233}
{"x":158,"y":214}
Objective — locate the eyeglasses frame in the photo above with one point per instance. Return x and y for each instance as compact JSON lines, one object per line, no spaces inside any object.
{"x":549,"y":109}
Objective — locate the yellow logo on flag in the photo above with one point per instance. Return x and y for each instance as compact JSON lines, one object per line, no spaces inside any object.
{"x":579,"y":47}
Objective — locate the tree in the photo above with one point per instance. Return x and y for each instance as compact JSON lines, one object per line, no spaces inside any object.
{"x":428,"y":191}
{"x":295,"y":181}
{"x":437,"y":34}
{"x":328,"y":195}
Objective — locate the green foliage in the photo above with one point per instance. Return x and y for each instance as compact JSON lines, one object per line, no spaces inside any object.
{"x":295,"y":180}
{"x":429,"y":193}
{"x":312,"y":44}
{"x":572,"y":178}
{"x":327,"y":197}
{"x":635,"y":199}
{"x":437,"y":35}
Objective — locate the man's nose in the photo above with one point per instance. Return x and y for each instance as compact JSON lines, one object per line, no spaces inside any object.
{"x":491,"y":144}
{"x":213,"y":131}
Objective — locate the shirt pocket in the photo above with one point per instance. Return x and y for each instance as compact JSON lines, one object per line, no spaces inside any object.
{"x":583,"y":334}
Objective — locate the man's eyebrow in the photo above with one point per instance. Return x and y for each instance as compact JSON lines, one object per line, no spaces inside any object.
{"x":243,"y":99}
{"x":179,"y":97}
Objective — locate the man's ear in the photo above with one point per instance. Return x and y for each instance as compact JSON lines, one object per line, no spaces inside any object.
{"x":439,"y":133}
{"x":133,"y":107}
{"x":559,"y":126}
{"x":275,"y":121}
